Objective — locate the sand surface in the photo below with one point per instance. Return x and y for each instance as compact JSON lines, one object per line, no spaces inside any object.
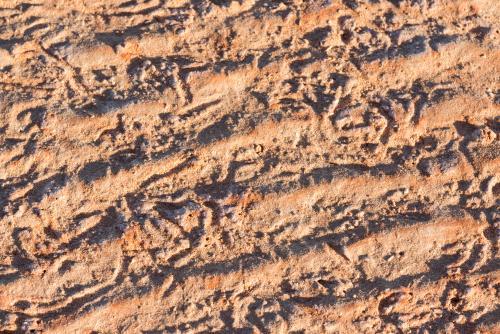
{"x":251,"y":166}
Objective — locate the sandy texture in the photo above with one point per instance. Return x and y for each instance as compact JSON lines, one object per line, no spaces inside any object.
{"x":252,"y":166}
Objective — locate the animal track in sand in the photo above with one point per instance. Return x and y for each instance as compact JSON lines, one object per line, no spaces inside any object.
{"x":249,"y":166}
